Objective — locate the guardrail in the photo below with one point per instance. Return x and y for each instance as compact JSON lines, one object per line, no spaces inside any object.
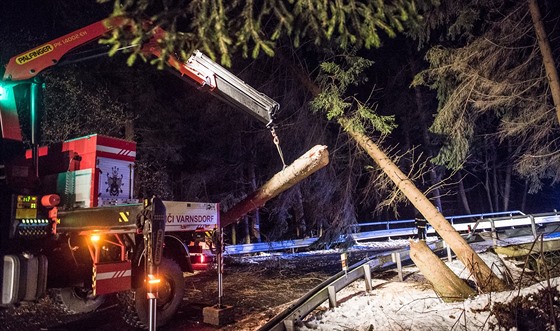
{"x":327,"y":290}
{"x":269,"y":246}
{"x":406,"y":228}
{"x":461,"y":223}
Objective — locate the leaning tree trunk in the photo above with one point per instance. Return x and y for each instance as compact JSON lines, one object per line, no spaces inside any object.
{"x":486,"y":280}
{"x":548,"y":60}
{"x":313,"y":160}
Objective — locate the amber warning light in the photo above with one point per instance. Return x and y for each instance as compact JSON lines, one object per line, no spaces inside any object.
{"x":153,"y":279}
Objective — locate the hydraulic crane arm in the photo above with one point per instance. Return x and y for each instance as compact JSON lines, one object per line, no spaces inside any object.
{"x":198,"y":69}
{"x":30,"y":63}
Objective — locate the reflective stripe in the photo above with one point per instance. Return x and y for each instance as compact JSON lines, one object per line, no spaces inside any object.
{"x":118,"y":151}
{"x":113,"y":274}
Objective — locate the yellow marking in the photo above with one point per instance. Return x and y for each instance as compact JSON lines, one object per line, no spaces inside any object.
{"x":123,"y":216}
{"x":37,"y":52}
{"x":94,"y":280}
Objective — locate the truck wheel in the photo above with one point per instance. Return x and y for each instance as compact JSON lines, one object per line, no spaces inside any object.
{"x":75,"y":300}
{"x":171,"y":290}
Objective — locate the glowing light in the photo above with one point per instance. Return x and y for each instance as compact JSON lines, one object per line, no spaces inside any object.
{"x":95,"y":238}
{"x":153,"y":279}
{"x":3,"y":93}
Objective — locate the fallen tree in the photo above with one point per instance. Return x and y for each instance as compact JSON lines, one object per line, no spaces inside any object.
{"x":485,"y":279}
{"x":313,"y":160}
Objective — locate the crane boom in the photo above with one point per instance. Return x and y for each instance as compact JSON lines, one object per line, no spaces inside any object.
{"x":198,"y":69}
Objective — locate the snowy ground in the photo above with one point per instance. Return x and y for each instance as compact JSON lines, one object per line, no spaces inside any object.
{"x":409,"y":306}
{"x":413,"y":305}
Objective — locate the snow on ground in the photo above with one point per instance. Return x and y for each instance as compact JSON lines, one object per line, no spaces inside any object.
{"x":410,"y":305}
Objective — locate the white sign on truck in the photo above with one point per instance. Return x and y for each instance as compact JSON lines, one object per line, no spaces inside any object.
{"x":191,"y":216}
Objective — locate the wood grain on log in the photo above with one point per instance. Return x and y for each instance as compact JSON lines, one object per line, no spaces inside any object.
{"x":313,"y":160}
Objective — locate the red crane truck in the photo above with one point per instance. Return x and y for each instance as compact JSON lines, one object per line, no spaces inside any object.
{"x":69,"y":224}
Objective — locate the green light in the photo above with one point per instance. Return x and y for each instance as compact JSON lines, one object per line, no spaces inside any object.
{"x":3,"y":93}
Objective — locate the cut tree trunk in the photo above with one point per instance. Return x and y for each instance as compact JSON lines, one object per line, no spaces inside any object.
{"x":313,"y":160}
{"x":444,"y":281}
{"x":486,"y":280}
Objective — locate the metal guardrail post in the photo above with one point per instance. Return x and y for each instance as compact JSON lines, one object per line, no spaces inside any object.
{"x":449,"y":253}
{"x":494,"y":233}
{"x":332,"y":296}
{"x":289,"y":325}
{"x":367,"y":276}
{"x":396,"y":256}
{"x":533,"y":226}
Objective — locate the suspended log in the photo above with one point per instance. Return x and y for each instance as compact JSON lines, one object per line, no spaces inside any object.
{"x":445,"y":282}
{"x":315,"y":159}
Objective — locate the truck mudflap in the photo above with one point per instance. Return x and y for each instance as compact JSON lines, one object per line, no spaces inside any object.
{"x":111,"y":277}
{"x":24,"y":278}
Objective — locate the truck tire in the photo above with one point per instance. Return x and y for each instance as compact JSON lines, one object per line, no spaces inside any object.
{"x":75,"y":300}
{"x":170,"y":296}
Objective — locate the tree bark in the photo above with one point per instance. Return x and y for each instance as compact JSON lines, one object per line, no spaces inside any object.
{"x":463,"y":193}
{"x":445,"y":282}
{"x":299,"y":214}
{"x":507,"y":179}
{"x":256,"y":224}
{"x":486,"y":280}
{"x":313,"y":160}
{"x":495,"y":181}
{"x":548,"y":60}
{"x":487,"y":180}
{"x":129,"y":130}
